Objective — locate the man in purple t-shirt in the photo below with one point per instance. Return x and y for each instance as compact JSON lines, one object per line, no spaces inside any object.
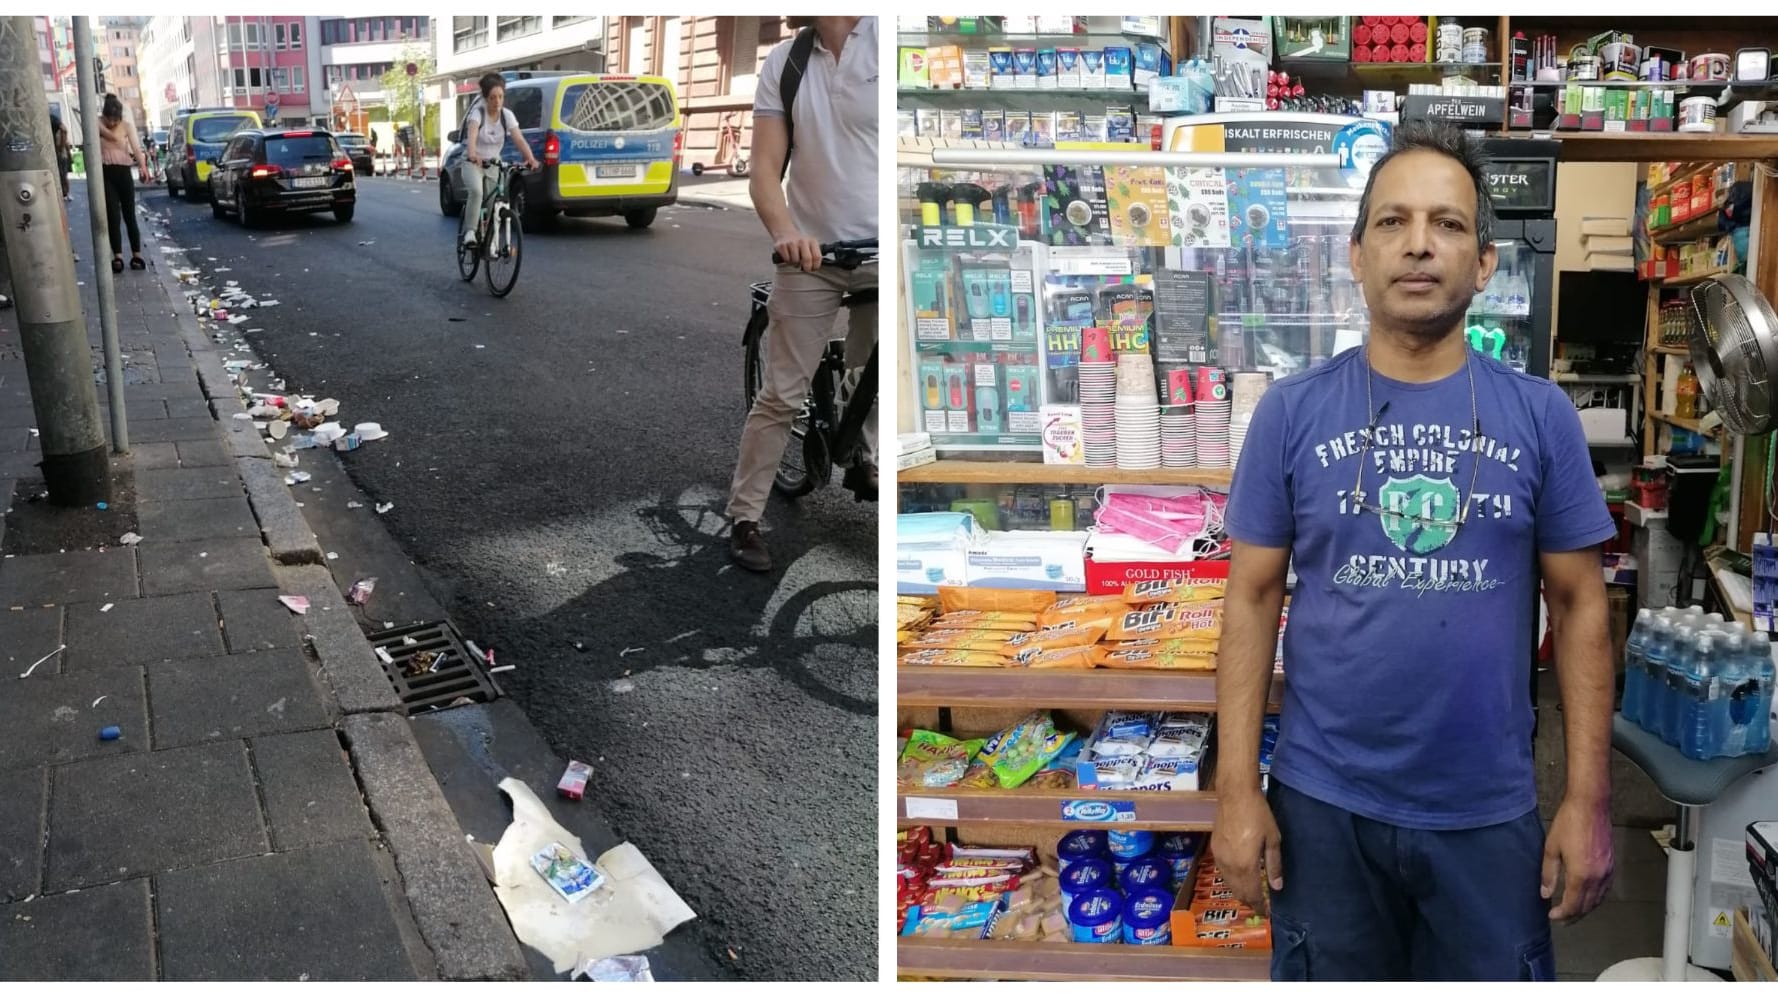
{"x":1422,"y":491}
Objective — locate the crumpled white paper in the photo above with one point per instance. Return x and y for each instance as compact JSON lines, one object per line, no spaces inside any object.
{"x":633,"y":913}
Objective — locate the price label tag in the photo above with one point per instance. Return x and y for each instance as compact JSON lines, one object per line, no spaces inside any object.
{"x":918,"y":808}
{"x":1098,"y":811}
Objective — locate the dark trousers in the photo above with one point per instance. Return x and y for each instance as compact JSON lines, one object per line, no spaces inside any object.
{"x":120,"y":199}
{"x":1365,"y":900}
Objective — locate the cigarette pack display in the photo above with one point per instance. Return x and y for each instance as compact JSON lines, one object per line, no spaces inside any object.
{"x":1046,"y":69}
{"x":1002,"y":69}
{"x":1069,"y":127}
{"x":1092,"y":69}
{"x":978,"y":69}
{"x":1064,"y":24}
{"x":993,"y":124}
{"x":1018,"y":126}
{"x":1120,"y":126}
{"x":988,"y":418}
{"x":906,"y":123}
{"x":950,"y":124}
{"x":930,"y":282}
{"x":913,"y":72}
{"x":1120,"y":65}
{"x":972,"y":124}
{"x":1068,"y":69}
{"x":1043,"y":128}
{"x":927,"y":121}
{"x":1024,"y":69}
{"x":1150,"y":62}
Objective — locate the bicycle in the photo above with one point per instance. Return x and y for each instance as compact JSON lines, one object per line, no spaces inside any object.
{"x":829,"y":429}
{"x":498,"y":236}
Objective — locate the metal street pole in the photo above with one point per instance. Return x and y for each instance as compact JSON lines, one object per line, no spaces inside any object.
{"x":95,"y":197}
{"x":40,"y":257}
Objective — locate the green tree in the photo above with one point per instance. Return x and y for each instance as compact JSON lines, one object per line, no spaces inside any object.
{"x":402,"y":92}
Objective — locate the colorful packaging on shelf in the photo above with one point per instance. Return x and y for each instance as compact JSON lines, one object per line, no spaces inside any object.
{"x":1124,"y":733}
{"x":968,"y":920}
{"x":1150,"y":659}
{"x":913,"y":73}
{"x":1052,"y":638}
{"x":1047,"y":69}
{"x":1170,"y":774}
{"x":1068,"y":69}
{"x":1000,"y":621}
{"x":1150,"y":873}
{"x":1097,"y":917}
{"x":972,"y":124}
{"x":1148,"y":917}
{"x":1146,"y":592}
{"x":1092,"y":69}
{"x":1018,"y":126}
{"x":1167,"y":621}
{"x":1019,"y":751}
{"x":950,"y":658}
{"x":978,"y":70}
{"x":1083,"y":876}
{"x":1150,"y":62}
{"x":1178,"y":851}
{"x":994,"y":125}
{"x":1002,"y":68}
{"x":1051,"y":560}
{"x":1127,"y":845}
{"x":1024,"y":69}
{"x":1181,"y":736}
{"x":1079,"y":845}
{"x":1120,"y":65}
{"x":995,"y":601}
{"x":985,"y":640}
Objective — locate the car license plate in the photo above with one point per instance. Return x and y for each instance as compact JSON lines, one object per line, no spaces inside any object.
{"x":620,"y":170}
{"x":308,"y":182}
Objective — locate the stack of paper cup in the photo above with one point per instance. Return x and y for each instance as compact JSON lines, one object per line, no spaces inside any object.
{"x":1213,"y":417}
{"x":1098,"y":398}
{"x":1179,"y":430}
{"x":1138,"y":414}
{"x":1247,"y":388}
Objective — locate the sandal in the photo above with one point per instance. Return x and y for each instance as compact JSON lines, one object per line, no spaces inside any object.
{"x":117,"y":265}
{"x":137,"y":263}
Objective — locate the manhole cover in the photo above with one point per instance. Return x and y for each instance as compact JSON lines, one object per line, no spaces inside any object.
{"x":431,"y":666}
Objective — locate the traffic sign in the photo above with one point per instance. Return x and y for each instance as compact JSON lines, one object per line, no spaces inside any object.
{"x":413,"y":69}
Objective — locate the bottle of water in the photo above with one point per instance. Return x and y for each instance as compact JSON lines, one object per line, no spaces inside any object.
{"x":1634,"y":673}
{"x":1672,"y":687}
{"x":1759,"y":723}
{"x":1699,"y":690}
{"x":1740,"y":692}
{"x":1657,"y":658}
{"x":1731,"y":660}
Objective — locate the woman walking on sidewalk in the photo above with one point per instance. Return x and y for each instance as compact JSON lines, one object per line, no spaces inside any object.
{"x":121,"y":148}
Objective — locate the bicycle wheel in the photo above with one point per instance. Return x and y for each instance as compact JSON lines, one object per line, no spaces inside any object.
{"x":824,"y":642}
{"x":753,"y":348}
{"x":468,"y":258}
{"x":504,"y":238}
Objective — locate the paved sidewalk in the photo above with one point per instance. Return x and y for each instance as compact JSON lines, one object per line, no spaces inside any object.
{"x":266,"y":813}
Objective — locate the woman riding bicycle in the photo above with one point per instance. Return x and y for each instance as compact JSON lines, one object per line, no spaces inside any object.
{"x":485,"y":131}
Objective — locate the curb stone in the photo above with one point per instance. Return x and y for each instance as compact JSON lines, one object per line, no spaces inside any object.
{"x":453,"y":905}
{"x":281,"y":521}
{"x":347,"y":660}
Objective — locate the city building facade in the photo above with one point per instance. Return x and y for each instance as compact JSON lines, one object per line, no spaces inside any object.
{"x":120,"y":49}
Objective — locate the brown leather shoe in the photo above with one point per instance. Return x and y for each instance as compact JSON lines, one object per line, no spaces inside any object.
{"x":861,"y":479}
{"x":748,"y":547}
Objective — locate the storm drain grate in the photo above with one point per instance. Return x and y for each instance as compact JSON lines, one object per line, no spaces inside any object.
{"x":450,"y":671}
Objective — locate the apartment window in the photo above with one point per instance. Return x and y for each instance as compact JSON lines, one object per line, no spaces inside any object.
{"x":254,"y":80}
{"x":279,"y":39}
{"x":298,"y":83}
{"x":468,"y":33}
{"x":281,"y":80}
{"x":296,"y":35}
{"x":330,"y":33}
{"x":572,"y":19}
{"x":743,"y":67}
{"x":333,"y":76}
{"x":240,"y":78}
{"x":376,"y":29}
{"x":234,"y":35}
{"x":518,"y":27}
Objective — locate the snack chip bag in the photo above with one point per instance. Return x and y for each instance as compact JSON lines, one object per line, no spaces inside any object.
{"x":951,"y":658}
{"x":1086,"y":616}
{"x":1053,"y":638}
{"x":985,"y":640}
{"x":1148,"y":659}
{"x":1173,"y":591}
{"x":1064,"y":658}
{"x":1170,"y":621}
{"x":1023,"y":748}
{"x":995,"y":620}
{"x":934,"y":760}
{"x":994,"y":599}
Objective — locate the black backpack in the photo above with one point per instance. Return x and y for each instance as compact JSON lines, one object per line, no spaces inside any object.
{"x":792,"y":78}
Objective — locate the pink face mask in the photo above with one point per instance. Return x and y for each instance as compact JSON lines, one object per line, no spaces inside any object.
{"x":1171,"y":523}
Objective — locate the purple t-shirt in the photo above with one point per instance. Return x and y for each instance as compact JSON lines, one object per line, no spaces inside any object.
{"x":1408,"y":653}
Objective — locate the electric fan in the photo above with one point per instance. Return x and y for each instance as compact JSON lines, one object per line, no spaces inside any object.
{"x":1734,"y":351}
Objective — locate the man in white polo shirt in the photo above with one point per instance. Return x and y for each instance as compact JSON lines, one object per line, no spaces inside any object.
{"x":829,"y":195}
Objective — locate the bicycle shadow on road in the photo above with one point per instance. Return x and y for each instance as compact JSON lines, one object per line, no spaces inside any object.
{"x":684,"y":605}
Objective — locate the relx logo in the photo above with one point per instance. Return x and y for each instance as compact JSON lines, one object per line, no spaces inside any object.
{"x":969,"y":238}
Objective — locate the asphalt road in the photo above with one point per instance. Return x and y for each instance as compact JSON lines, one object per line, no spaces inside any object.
{"x":558,"y":461}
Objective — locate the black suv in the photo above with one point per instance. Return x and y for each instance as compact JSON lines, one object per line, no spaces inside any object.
{"x":357,"y":148}
{"x":268,"y":170}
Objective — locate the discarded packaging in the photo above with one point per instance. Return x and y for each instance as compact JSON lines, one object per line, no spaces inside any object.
{"x":619,"y":969}
{"x":350,"y":442}
{"x":297,"y":477}
{"x":384,"y":508}
{"x":284,"y":460}
{"x":370,"y":431}
{"x":567,"y":872}
{"x":361,"y":591}
{"x":130,"y":538}
{"x":110,"y":733}
{"x":295,"y":602}
{"x":573,"y":783}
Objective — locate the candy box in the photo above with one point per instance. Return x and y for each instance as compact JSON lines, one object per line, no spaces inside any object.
{"x":567,"y":873}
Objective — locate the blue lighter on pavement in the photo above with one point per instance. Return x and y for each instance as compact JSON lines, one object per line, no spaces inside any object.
{"x":110,"y":733}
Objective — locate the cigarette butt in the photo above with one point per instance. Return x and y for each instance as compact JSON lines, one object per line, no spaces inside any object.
{"x":498,"y":670}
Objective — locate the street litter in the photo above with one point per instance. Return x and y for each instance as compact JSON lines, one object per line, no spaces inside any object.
{"x":503,"y":669}
{"x":331,"y":556}
{"x":353,"y":505}
{"x":39,"y":663}
{"x":110,"y":733}
{"x":269,"y":302}
{"x":422,"y":663}
{"x":130,"y":538}
{"x":361,"y":591}
{"x":631,"y":649}
{"x":554,"y":568}
{"x":297,"y":477}
{"x":383,"y":654}
{"x":384,"y":508}
{"x":621,"y":969}
{"x":573,"y":783}
{"x":96,"y":701}
{"x":365,"y":243}
{"x":284,"y":460}
{"x":106,"y":608}
{"x":295,"y":602}
{"x":567,"y":873}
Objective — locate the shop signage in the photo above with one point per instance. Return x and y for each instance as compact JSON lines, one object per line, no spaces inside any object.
{"x":1097,"y":811}
{"x":980,"y":236}
{"x":1457,"y":109}
{"x":1523,"y":185}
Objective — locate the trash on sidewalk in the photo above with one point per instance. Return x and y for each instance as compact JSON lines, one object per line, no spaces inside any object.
{"x":96,"y":701}
{"x":361,"y":591}
{"x":632,"y":914}
{"x":297,"y":477}
{"x":567,"y":872}
{"x":353,"y":505}
{"x":573,"y":783}
{"x":40,"y":663}
{"x":384,"y":508}
{"x":129,"y":538}
{"x":619,"y":969}
{"x":503,"y":669}
{"x":110,"y":733}
{"x":295,"y":602}
{"x":284,"y":460}
{"x":106,"y":608}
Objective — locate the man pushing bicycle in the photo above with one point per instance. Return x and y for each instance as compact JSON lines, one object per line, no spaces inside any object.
{"x":830,"y":71}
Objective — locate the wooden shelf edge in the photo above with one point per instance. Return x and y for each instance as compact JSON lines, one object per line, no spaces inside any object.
{"x":1021,"y":687}
{"x":1692,"y":279}
{"x":1646,"y":147}
{"x":1042,"y":807}
{"x":953,"y":959}
{"x":1665,"y":349}
{"x":1683,"y":423}
{"x":1038,"y":473}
